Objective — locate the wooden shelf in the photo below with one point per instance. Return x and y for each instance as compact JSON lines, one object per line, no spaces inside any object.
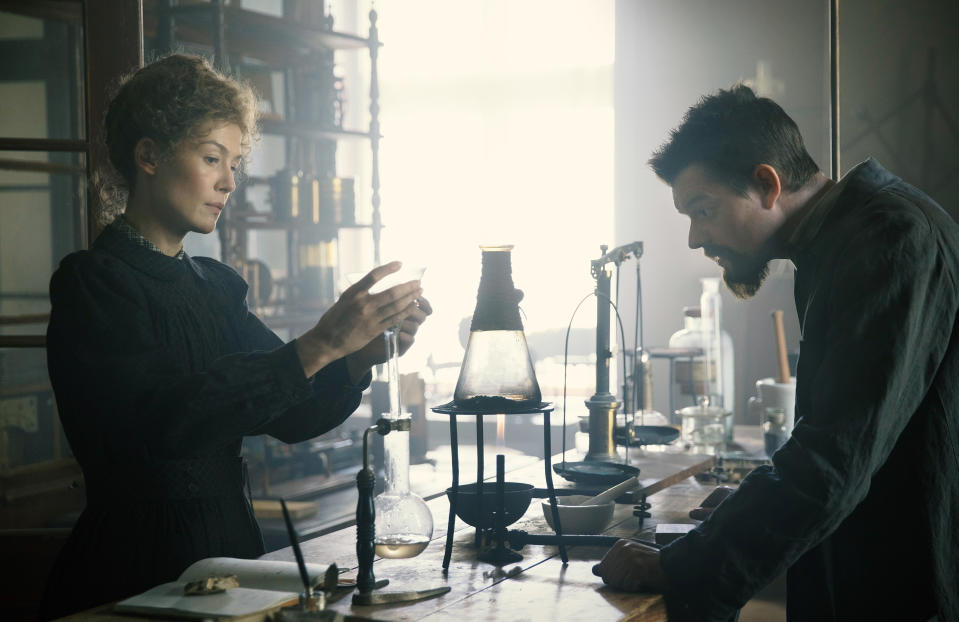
{"x":268,"y":28}
{"x":11,"y":164}
{"x":26,"y":389}
{"x":30,"y":318}
{"x":275,"y":40}
{"x":287,"y":225}
{"x":43,"y":144}
{"x":277,"y":126}
{"x":46,"y":9}
{"x":23,"y":341}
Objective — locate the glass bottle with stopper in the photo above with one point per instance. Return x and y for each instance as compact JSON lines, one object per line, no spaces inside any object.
{"x":497,"y":372}
{"x":718,"y":352}
{"x":708,"y":371}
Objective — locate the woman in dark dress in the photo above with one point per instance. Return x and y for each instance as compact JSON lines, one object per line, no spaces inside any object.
{"x":159,"y":368}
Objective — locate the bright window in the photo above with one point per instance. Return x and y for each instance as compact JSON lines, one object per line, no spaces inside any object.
{"x":497,"y":119}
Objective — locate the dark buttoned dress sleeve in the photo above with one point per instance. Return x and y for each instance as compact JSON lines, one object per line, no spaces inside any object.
{"x":115,"y":353}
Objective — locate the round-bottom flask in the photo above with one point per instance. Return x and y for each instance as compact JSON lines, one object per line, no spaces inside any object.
{"x":404,"y":524}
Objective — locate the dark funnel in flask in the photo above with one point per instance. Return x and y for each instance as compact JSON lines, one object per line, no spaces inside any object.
{"x":497,"y":374}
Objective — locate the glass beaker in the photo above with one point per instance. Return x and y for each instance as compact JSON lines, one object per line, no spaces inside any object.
{"x":497,"y":372}
{"x":704,"y":428}
{"x":775,"y":433}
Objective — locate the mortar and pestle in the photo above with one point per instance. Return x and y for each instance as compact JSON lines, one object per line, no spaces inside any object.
{"x":580,"y":514}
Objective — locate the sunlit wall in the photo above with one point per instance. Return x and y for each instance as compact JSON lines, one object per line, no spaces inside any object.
{"x":668,"y":54}
{"x":894,"y":106}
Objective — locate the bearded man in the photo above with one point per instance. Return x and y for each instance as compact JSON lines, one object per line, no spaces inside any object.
{"x":861,"y":504}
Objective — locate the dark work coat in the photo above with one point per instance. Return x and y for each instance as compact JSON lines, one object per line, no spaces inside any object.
{"x":861,"y":505}
{"x":159,"y":371}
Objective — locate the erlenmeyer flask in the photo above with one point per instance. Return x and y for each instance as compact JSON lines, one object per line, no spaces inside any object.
{"x":497,"y":373}
{"x":404,"y":524}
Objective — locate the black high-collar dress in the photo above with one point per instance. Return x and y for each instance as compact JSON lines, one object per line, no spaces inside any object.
{"x":159,"y":371}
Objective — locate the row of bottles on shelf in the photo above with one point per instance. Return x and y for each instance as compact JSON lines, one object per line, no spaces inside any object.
{"x":317,"y":206}
{"x":317,"y":270}
{"x":315,"y":277}
{"x":299,"y":196}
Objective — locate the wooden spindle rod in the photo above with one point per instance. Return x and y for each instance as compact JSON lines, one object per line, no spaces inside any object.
{"x":784,"y":375}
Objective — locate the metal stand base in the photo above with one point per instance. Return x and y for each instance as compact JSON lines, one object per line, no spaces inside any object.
{"x":499,"y":556}
{"x":386,"y":598}
{"x":366,"y":528}
{"x":451,"y":410}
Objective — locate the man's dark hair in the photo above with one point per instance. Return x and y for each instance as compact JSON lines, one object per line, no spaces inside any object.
{"x":729,"y":133}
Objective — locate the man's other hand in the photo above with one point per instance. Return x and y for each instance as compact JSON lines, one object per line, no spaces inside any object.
{"x":633,"y":567}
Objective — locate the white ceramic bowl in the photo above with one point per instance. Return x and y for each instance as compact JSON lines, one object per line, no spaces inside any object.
{"x":579,"y":519}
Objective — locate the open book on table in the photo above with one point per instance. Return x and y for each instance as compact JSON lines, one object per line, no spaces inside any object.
{"x":263,"y":587}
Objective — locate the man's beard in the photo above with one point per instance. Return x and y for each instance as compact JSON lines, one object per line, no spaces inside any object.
{"x":744,"y":275}
{"x":744,"y":283}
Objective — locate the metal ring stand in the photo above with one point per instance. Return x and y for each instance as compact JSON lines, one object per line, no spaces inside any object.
{"x":366,"y":530}
{"x":451,"y":409}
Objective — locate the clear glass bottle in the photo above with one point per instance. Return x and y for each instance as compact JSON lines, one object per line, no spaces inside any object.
{"x":710,"y":374}
{"x":775,"y":431}
{"x":404,"y":524}
{"x":714,"y":350}
{"x":718,"y":352}
{"x":688,"y":372}
{"x":497,"y":373}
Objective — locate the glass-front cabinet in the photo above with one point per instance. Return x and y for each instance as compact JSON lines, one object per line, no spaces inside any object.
{"x":56,"y":59}
{"x":43,"y":207}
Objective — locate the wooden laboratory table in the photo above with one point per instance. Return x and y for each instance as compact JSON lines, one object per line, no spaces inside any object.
{"x":539,"y":587}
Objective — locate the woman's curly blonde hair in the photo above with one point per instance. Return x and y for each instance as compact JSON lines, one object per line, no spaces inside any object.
{"x":171,"y":99}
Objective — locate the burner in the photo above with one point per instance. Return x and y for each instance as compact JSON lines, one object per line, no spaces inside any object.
{"x":498,"y":499}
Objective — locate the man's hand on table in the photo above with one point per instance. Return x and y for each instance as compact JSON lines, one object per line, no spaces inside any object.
{"x":633,"y":567}
{"x":709,"y":503}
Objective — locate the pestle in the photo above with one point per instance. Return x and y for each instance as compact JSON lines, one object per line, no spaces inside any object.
{"x":610,"y":495}
{"x":784,"y":375}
